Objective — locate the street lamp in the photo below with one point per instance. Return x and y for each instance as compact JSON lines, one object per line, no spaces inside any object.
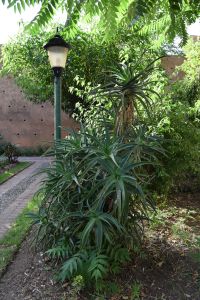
{"x":57,"y":50}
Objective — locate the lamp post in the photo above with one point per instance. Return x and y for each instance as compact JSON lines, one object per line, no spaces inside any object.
{"x":57,"y":50}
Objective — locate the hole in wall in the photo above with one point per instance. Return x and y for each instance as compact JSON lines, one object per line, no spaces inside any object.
{"x":10,"y":120}
{"x":42,"y":120}
{"x":18,"y":134}
{"x":35,"y":134}
{"x":24,"y":120}
{"x":9,"y":105}
{"x":42,"y":106}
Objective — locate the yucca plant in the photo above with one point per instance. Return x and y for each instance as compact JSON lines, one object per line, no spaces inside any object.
{"x":95,"y":200}
{"x":129,"y":89}
{"x":96,"y":192}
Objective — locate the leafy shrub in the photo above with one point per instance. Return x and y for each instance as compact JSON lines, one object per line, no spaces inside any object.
{"x":184,"y":149}
{"x":177,"y":120}
{"x":181,"y":138}
{"x":95,"y":201}
{"x":11,"y":152}
{"x":182,"y":123}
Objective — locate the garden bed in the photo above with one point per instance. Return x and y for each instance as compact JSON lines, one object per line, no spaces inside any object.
{"x":9,"y":170}
{"x":163,"y":269}
{"x":12,"y":240}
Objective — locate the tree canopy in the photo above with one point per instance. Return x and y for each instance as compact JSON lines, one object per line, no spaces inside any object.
{"x":169,"y":17}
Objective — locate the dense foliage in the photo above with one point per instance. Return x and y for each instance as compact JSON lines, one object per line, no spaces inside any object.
{"x":96,"y":194}
{"x":176,"y":118}
{"x":25,"y":58}
{"x":169,"y":17}
{"x":96,"y":199}
{"x":183,"y":116}
{"x":174,"y":115}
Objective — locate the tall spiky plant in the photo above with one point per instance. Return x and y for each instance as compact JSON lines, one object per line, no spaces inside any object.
{"x":129,"y":89}
{"x":95,"y":201}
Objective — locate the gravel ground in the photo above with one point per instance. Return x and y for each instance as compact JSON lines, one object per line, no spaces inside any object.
{"x":7,"y":198}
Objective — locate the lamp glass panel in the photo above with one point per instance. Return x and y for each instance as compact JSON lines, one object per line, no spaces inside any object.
{"x":57,"y":56}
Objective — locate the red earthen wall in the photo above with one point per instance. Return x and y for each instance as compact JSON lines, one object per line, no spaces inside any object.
{"x":23,"y":123}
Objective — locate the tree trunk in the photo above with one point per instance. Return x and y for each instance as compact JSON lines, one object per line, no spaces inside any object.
{"x":125,"y":116}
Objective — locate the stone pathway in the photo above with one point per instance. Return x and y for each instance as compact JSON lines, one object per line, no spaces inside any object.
{"x":17,"y":191}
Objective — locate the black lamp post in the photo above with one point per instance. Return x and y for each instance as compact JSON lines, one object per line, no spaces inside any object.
{"x":57,"y":50}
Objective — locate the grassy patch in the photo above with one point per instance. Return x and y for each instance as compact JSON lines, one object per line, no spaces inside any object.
{"x":11,"y":241}
{"x":13,"y":171}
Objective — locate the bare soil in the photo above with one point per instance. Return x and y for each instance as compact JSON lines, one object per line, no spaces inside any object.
{"x":29,"y":277}
{"x":165,"y":269}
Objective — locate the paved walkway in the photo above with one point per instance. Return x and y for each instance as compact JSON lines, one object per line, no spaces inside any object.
{"x":24,"y":185}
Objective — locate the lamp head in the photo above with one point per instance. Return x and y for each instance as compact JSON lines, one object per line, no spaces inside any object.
{"x":57,"y":50}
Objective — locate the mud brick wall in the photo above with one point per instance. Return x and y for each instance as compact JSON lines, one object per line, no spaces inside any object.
{"x":26,"y":124}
